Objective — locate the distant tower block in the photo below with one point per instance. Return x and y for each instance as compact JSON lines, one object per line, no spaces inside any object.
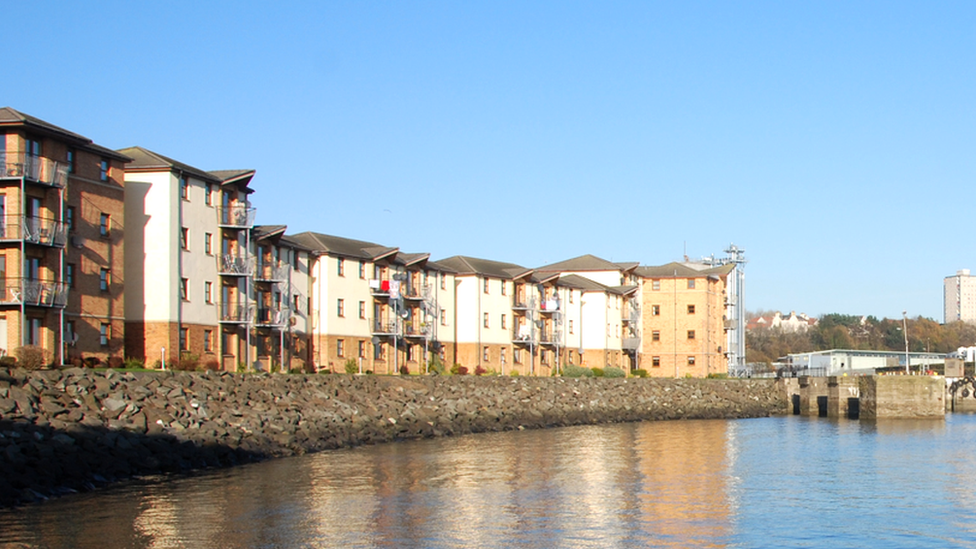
{"x":959,"y":297}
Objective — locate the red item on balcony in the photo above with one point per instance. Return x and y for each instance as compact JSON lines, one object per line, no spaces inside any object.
{"x":385,"y":286}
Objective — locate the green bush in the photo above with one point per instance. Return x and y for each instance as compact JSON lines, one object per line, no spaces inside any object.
{"x":211,"y":364}
{"x":351,"y":366}
{"x":133,"y":364}
{"x":435,"y":366}
{"x":514,"y":373}
{"x":597,"y":372}
{"x":613,"y":371}
{"x":458,"y":370}
{"x":718,"y":376}
{"x":640,"y":373}
{"x":571,"y":370}
{"x":187,"y":363}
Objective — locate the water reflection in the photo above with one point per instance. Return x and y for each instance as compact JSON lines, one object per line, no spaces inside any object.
{"x":753,"y":483}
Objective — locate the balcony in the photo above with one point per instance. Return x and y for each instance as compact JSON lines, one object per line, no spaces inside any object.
{"x":234,"y":265}
{"x":415,"y":329}
{"x":379,"y":287}
{"x":271,"y":272}
{"x":384,"y":327}
{"x":522,"y":334}
{"x":519,"y":303}
{"x":33,"y":230}
{"x":39,"y":293}
{"x":410,"y":291}
{"x":237,"y":216}
{"x":549,"y":306}
{"x":631,"y":343}
{"x":272,"y":317}
{"x":35,"y":169}
{"x":232,"y":313}
{"x":549,"y":337}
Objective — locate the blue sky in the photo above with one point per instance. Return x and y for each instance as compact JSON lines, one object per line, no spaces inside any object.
{"x":833,"y":141}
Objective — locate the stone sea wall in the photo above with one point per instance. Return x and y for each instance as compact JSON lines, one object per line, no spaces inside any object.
{"x":73,"y":430}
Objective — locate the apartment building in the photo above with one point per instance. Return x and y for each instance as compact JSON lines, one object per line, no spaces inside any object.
{"x":683,"y":319}
{"x":959,"y":297}
{"x":387,"y":311}
{"x":611,"y":295}
{"x":61,"y":254}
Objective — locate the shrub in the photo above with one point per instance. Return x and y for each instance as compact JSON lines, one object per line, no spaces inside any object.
{"x":597,"y":372}
{"x":571,"y":370}
{"x":32,"y":357}
{"x":133,"y":364}
{"x":8,"y":361}
{"x":459,"y":370}
{"x":514,"y":373}
{"x":76,"y":361}
{"x":613,"y":371}
{"x":718,"y":376}
{"x":92,"y":362}
{"x":404,"y":370}
{"x":640,"y":372}
{"x":211,"y":364}
{"x":116,"y":362}
{"x":435,"y":366}
{"x":479,"y":371}
{"x":351,"y":366}
{"x":187,"y":363}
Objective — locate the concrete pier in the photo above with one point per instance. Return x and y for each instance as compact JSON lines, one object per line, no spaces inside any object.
{"x":843,"y":397}
{"x":883,"y":397}
{"x":813,"y":396}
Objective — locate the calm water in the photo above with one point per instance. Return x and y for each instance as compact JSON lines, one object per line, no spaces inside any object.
{"x":774,"y":482}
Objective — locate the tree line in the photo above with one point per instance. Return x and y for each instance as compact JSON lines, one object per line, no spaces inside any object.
{"x":839,"y":331}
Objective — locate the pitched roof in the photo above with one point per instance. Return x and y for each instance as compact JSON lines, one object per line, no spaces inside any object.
{"x":13,"y":117}
{"x":465,"y":265}
{"x":145,"y":160}
{"x":260,"y":232}
{"x":323,"y":244}
{"x":680,"y":270}
{"x":586,"y":262}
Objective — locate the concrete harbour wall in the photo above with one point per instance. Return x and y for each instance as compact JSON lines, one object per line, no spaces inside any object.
{"x":72,"y":430}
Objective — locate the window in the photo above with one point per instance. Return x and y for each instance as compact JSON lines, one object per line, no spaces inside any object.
{"x":69,"y":332}
{"x":486,"y":320}
{"x":656,"y":361}
{"x":655,"y":285}
{"x":691,"y":283}
{"x":443,"y":317}
{"x":297,"y":303}
{"x":570,"y":326}
{"x":502,"y":357}
{"x":341,"y":307}
{"x":103,"y":170}
{"x":503,"y":288}
{"x":294,"y":258}
{"x":691,"y":334}
{"x":378,"y":351}
{"x":487,"y":354}
{"x":340,"y":348}
{"x":184,"y":289}
{"x":571,"y":292}
{"x":341,"y":267}
{"x":69,"y":275}
{"x":69,"y":218}
{"x":104,"y":277}
{"x":362,"y":309}
{"x":443,"y":281}
{"x":184,"y":188}
{"x":71,"y":161}
{"x":104,"y":334}
{"x":208,"y":341}
{"x":362,"y":349}
{"x":208,"y":194}
{"x":691,"y":309}
{"x":184,"y":335}
{"x":362,"y":270}
{"x":656,"y":335}
{"x":208,"y":292}
{"x":486,"y":285}
{"x":208,"y":243}
{"x":691,"y":361}
{"x":517,"y":355}
{"x":655,"y":310}
{"x":185,"y":238}
{"x":104,"y":224}
{"x":411,"y":353}
{"x":503,"y":321}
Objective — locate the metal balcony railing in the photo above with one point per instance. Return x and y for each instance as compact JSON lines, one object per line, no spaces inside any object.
{"x":520,"y":303}
{"x":379,"y":287}
{"x":233,"y":313}
{"x":237,"y":216}
{"x":549,"y":337}
{"x":384,"y":327}
{"x":271,"y":272}
{"x":37,"y":169}
{"x":40,"y":293}
{"x":272,"y":317}
{"x":522,"y":334}
{"x":415,"y":329}
{"x":410,"y":291}
{"x":234,"y":265}
{"x":45,"y":232}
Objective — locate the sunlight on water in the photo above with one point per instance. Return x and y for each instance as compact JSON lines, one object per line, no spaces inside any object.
{"x":773,"y":482}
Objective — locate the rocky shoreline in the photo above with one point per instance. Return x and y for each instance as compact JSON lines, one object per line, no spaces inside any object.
{"x":63,"y":431}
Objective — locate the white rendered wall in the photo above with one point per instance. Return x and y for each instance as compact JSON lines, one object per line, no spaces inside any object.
{"x":152,"y":285}
{"x":197,"y":266}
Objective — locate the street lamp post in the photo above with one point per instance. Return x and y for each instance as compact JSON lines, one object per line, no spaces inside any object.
{"x":904,"y":323}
